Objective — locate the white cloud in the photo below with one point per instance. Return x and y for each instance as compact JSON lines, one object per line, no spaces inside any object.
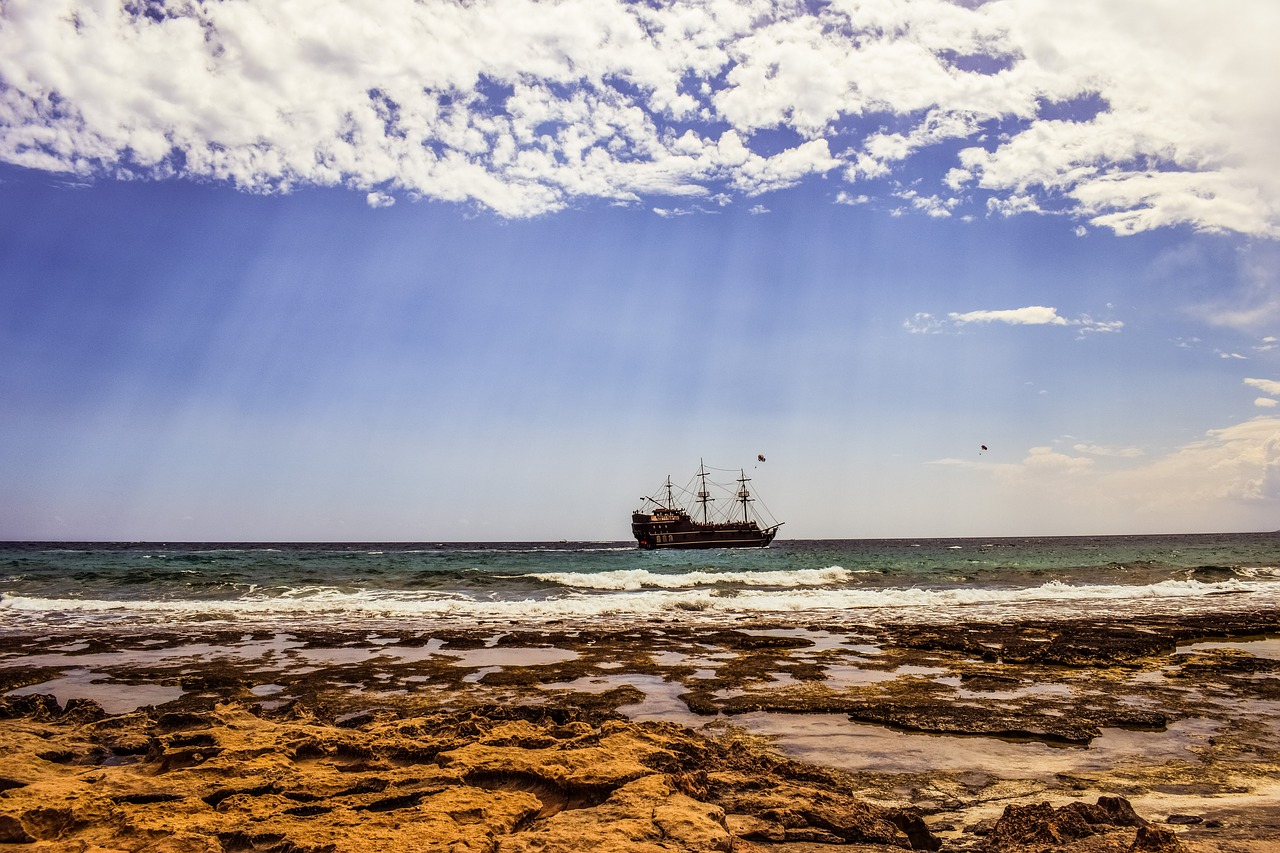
{"x":1265,"y":402}
{"x":1117,"y":452}
{"x":1266,"y":386}
{"x":1250,"y":300}
{"x":376,"y":199}
{"x":922,"y":324}
{"x":1227,"y":480}
{"x":843,"y":197}
{"x":1045,"y":464}
{"x":933,"y":205}
{"x":1088,"y":327}
{"x":1238,"y":464}
{"x":1088,"y":108}
{"x":1033,"y":315}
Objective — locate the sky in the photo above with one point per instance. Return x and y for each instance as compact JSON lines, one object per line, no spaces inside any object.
{"x":420,"y":270}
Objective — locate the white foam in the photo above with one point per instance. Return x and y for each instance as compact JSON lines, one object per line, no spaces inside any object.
{"x":630,"y":579}
{"x":1258,"y":572}
{"x":914,"y":604}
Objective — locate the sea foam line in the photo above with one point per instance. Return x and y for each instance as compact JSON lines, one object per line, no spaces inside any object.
{"x":942,"y":604}
{"x":633,"y":579}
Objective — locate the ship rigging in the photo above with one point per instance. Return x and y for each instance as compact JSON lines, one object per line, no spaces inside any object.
{"x":665,"y":520}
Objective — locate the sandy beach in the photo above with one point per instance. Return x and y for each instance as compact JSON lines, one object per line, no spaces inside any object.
{"x":1068,"y":734}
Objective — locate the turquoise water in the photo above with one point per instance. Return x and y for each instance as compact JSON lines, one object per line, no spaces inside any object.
{"x":85,"y":584}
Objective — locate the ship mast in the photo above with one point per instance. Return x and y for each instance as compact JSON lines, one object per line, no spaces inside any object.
{"x":744,"y":496}
{"x":703,"y":495}
{"x":670,"y":498}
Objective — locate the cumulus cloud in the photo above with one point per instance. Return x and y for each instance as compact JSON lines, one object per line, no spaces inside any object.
{"x":1264,"y":402}
{"x":1045,"y":464}
{"x":1089,"y":109}
{"x":1238,"y":464}
{"x":1229,"y":479}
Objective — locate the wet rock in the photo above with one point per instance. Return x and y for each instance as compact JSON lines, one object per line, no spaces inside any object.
{"x":643,"y":816}
{"x":989,"y":682}
{"x":1042,"y":824}
{"x":1118,"y":812}
{"x":741,"y":641}
{"x":48,"y":822}
{"x":126,"y":743}
{"x":34,"y":706}
{"x":1036,"y":824}
{"x":83,"y":711}
{"x":1078,"y":643}
{"x":1094,"y":645}
{"x":812,"y":811}
{"x":1153,"y":839}
{"x":180,"y":720}
{"x":13,"y":832}
{"x":170,"y":759}
{"x":942,"y":717}
{"x":982,"y":828}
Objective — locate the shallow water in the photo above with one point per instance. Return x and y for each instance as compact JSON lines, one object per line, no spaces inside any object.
{"x":1268,"y":647}
{"x":114,"y":697}
{"x":832,"y":740}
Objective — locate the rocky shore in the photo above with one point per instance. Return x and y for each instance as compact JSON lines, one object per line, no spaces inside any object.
{"x":1068,"y":735}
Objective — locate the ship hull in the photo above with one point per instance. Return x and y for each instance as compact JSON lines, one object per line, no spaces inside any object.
{"x":652,"y":534}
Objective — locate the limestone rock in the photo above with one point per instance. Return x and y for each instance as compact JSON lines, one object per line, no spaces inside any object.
{"x":1041,"y":824}
{"x":1153,"y":839}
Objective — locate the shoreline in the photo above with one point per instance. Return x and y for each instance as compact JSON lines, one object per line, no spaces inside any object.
{"x":936,"y":727}
{"x":678,"y":609}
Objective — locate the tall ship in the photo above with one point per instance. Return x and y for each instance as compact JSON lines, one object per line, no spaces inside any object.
{"x":684,"y":517}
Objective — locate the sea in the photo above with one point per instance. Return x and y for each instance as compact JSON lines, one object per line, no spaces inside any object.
{"x":122,"y":586}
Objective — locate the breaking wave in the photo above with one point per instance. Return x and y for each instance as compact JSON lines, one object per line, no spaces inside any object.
{"x":901,"y":604}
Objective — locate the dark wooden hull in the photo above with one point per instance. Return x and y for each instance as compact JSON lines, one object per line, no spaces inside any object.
{"x":652,"y":534}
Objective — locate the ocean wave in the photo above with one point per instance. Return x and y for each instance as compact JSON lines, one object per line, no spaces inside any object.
{"x":633,"y":579}
{"x":1259,"y":572}
{"x":917,"y":604}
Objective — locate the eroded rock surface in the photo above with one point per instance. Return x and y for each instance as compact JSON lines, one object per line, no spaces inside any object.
{"x":325,"y":742}
{"x":510,"y":779}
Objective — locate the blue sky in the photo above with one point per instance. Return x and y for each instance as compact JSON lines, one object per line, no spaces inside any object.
{"x":266,"y":283}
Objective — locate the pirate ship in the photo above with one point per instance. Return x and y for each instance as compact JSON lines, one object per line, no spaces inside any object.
{"x":683,"y":517}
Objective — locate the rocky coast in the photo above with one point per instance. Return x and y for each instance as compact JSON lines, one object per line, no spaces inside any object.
{"x":1064,"y":735}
